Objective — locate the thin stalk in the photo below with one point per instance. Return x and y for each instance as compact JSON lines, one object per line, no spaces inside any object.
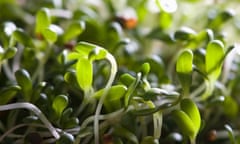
{"x":198,"y":91}
{"x":39,"y":73}
{"x":17,"y":58}
{"x":112,"y":115}
{"x":157,"y":121}
{"x":11,"y":130}
{"x":193,"y":141}
{"x":113,"y":73}
{"x":35,"y":110}
{"x":85,"y":102}
{"x":8,"y":132}
{"x":8,"y":71}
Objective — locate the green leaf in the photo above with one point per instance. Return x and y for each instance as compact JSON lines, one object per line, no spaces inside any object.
{"x":50,"y":35}
{"x":71,"y":123}
{"x":184,"y":69}
{"x":75,"y":29}
{"x":66,"y":138}
{"x":165,"y":19}
{"x":113,"y":98}
{"x":184,"y":62}
{"x":145,"y":69}
{"x":185,"y":33}
{"x":9,"y":53}
{"x":70,"y":78}
{"x":60,"y":102}
{"x":185,"y":123}
{"x":37,"y":91}
{"x":115,"y":93}
{"x":127,"y":79}
{"x":97,"y":54}
{"x":84,"y":71}
{"x":24,"y":80}
{"x":43,"y":20}
{"x":8,"y":93}
{"x":214,"y":58}
{"x":84,"y":47}
{"x":159,"y":34}
{"x":125,"y":133}
{"x":66,"y":114}
{"x":20,"y":36}
{"x":220,"y":19}
{"x":190,"y":108}
{"x":230,"y":107}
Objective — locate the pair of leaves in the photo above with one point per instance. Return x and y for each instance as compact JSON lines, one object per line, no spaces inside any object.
{"x":43,"y":25}
{"x":188,"y":118}
{"x":51,"y":31}
{"x":85,"y":54}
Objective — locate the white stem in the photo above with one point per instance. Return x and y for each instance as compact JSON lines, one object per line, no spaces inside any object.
{"x":34,"y":109}
{"x":113,"y":73}
{"x":102,"y":117}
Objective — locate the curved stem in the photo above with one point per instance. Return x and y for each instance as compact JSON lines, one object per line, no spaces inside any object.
{"x":102,"y":117}
{"x":113,"y":73}
{"x":34,"y":109}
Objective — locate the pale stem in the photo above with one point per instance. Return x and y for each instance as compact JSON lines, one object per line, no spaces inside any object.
{"x":34,"y":109}
{"x":113,"y":63}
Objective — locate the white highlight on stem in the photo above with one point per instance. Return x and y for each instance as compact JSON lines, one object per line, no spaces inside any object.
{"x":169,"y":6}
{"x":113,"y":63}
{"x":33,"y":108}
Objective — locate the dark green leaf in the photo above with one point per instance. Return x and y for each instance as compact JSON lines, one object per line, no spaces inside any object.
{"x":24,"y":80}
{"x":9,"y":53}
{"x":71,"y":78}
{"x":8,"y":93}
{"x":184,"y":33}
{"x":75,"y":29}
{"x":66,"y":138}
{"x":230,"y":107}
{"x":125,"y":133}
{"x":220,"y":19}
{"x":20,"y":36}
